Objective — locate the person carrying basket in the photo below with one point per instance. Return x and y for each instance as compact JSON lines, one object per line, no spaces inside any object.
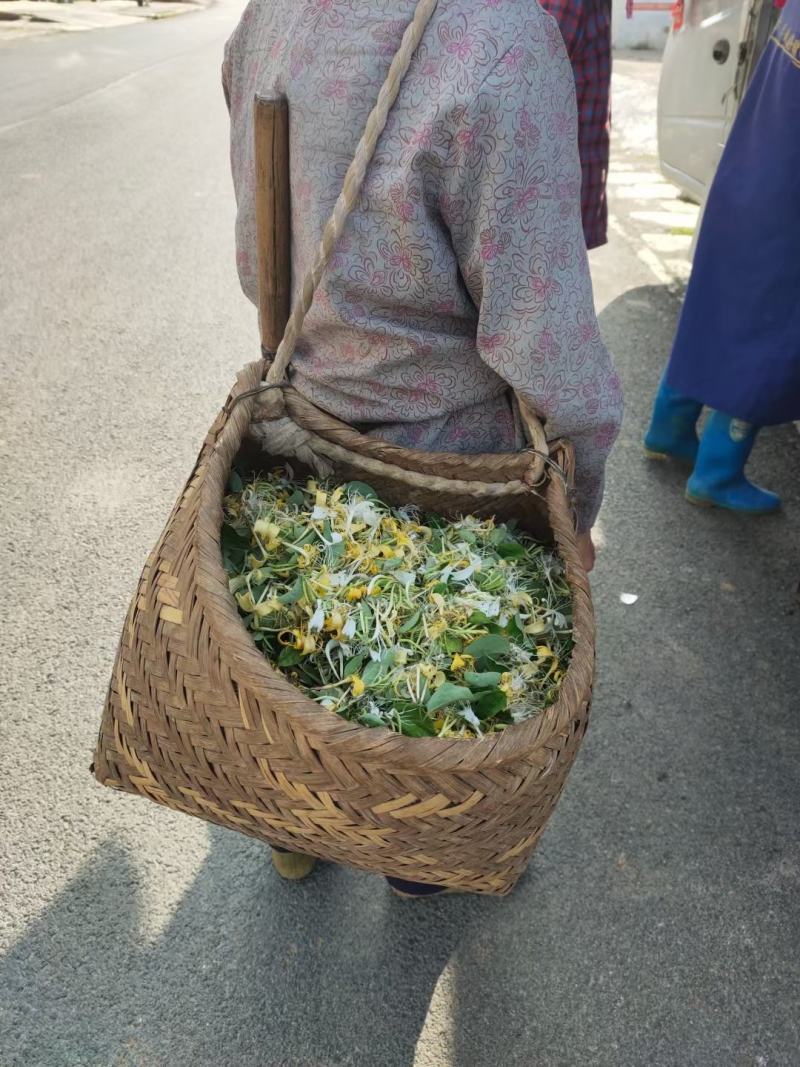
{"x":461,"y":273}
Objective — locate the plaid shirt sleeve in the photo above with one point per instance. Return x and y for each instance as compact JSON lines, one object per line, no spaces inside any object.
{"x":586,"y":28}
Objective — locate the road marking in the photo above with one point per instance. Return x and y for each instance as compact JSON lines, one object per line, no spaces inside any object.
{"x":645,"y":255}
{"x":669,"y":243}
{"x":648,"y":191}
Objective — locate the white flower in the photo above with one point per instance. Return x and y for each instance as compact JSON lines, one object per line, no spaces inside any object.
{"x":490,"y":606}
{"x":317,"y":620}
{"x":522,"y":712}
{"x":468,"y":715}
{"x":321,"y":513}
{"x":363,"y":511}
{"x":349,"y":628}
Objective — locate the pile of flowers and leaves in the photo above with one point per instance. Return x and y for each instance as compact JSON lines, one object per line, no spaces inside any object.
{"x":391,"y":618}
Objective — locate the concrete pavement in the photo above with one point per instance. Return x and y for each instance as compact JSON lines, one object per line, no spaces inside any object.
{"x":657,"y":925}
{"x":26,"y":18}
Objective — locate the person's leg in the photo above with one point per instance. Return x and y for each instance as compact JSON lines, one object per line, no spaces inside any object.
{"x":291,"y":865}
{"x":414,"y":890}
{"x":294,"y":865}
{"x":718,"y":479}
{"x":673,"y":426}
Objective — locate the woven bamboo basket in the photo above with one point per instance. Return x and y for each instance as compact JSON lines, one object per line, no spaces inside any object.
{"x":196,"y":718}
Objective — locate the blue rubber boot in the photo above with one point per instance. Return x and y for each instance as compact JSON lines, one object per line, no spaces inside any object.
{"x":718,"y":479}
{"x":673,"y":433}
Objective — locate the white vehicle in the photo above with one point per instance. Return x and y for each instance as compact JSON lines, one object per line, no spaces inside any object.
{"x":710,"y":55}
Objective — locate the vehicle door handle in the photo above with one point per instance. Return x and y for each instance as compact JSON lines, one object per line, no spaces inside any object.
{"x":721,"y":51}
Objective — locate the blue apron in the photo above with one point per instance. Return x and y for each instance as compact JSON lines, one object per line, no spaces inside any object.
{"x":737,"y":348}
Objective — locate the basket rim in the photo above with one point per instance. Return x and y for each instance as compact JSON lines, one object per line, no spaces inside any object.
{"x":251,"y":669}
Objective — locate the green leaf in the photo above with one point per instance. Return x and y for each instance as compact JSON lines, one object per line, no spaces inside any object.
{"x":335,"y":552}
{"x":289,"y":657}
{"x":511,"y":550}
{"x":491,"y":581}
{"x":369,"y":719}
{"x":477,"y":618}
{"x":482,"y":679}
{"x":232,"y":538}
{"x":441,"y":587}
{"x":372,"y":672}
{"x":490,"y":704}
{"x":449,"y":693}
{"x":451,"y":643}
{"x":410,"y":623}
{"x":414,"y":729}
{"x":361,"y":489}
{"x":354,"y":665}
{"x":295,"y":594}
{"x":297,"y":499}
{"x":490,"y":645}
{"x":235,"y":483}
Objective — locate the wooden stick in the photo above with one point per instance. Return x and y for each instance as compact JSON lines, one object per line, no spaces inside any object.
{"x":273,"y":219}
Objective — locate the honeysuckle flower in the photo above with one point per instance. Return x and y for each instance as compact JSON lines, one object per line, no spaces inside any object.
{"x":436,"y":622}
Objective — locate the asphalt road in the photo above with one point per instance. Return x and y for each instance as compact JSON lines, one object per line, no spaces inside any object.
{"x":658,"y":923}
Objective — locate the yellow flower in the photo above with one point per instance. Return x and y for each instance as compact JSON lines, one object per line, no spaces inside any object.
{"x":538,"y":626}
{"x":309,"y":645}
{"x":353,"y":550}
{"x":506,"y":686}
{"x":356,"y":592}
{"x":308,"y":555}
{"x":521,"y":600}
{"x":543,"y":652}
{"x":437,"y":628}
{"x":245,"y":601}
{"x":357,"y":685}
{"x":335,"y":621}
{"x":267,"y":607}
{"x":459,"y":663}
{"x":268,"y":533}
{"x":291,"y":639}
{"x":438,"y":600}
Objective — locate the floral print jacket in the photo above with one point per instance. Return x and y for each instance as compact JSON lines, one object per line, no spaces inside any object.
{"x":463,"y":271}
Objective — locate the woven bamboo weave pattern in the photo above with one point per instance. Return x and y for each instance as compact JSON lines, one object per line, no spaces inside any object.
{"x":197,"y":720}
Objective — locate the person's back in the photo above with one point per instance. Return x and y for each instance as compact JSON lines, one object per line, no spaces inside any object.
{"x":463,"y":270}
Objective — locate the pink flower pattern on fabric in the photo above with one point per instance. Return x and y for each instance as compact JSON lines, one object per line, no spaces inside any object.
{"x":463,"y":271}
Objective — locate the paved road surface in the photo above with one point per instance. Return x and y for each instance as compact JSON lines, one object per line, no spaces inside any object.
{"x":658,"y":923}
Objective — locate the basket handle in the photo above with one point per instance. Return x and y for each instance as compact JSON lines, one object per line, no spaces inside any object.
{"x":273,"y":218}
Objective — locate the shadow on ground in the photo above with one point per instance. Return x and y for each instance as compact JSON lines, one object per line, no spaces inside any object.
{"x":250,"y":971}
{"x":657,"y":925}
